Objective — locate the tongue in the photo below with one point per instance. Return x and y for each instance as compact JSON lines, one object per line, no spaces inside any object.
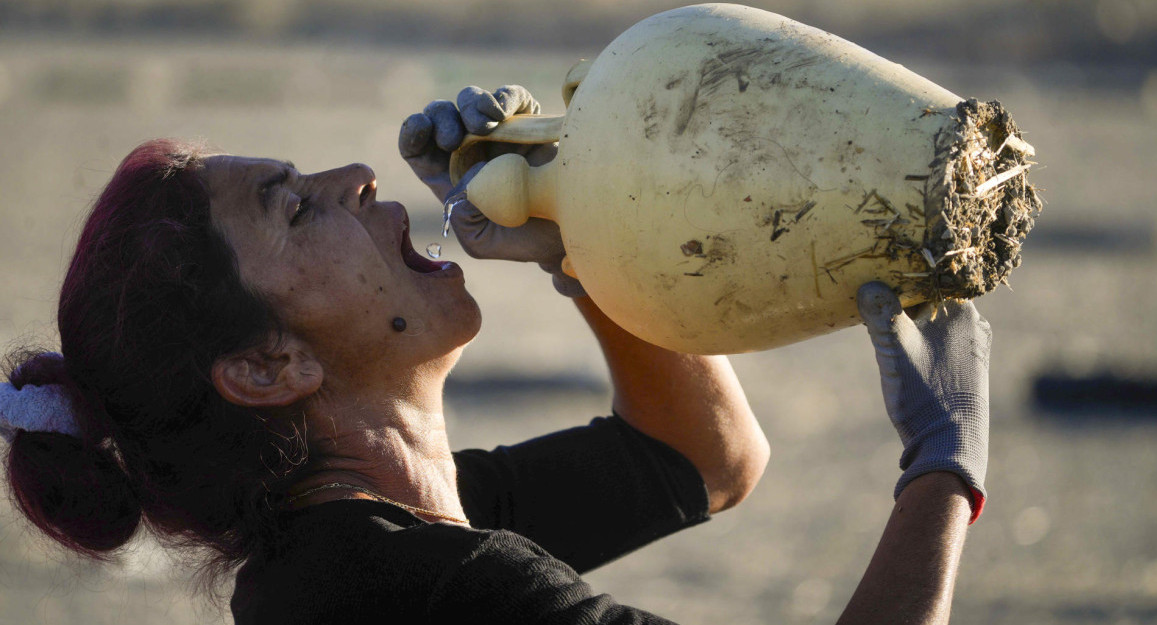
{"x":419,"y":263}
{"x":416,"y":261}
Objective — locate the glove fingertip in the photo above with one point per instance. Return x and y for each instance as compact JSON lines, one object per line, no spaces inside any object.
{"x":448,"y":130}
{"x":508,"y":99}
{"x":479,"y":107}
{"x":449,"y":138}
{"x":878,"y":305}
{"x":516,"y":99}
{"x":414,"y":135}
{"x":437,"y":109}
{"x":493,"y":108}
{"x":468,"y":95}
{"x":476,"y":122}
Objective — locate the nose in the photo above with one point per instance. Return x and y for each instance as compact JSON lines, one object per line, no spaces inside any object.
{"x":359,"y":186}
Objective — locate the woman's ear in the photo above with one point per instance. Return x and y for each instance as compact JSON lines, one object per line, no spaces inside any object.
{"x":265,"y":378}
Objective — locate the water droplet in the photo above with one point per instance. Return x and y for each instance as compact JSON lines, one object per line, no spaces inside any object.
{"x":434,"y":250}
{"x":447,"y":210}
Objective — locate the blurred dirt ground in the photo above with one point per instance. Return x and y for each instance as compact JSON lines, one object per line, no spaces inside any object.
{"x":1070,"y":534}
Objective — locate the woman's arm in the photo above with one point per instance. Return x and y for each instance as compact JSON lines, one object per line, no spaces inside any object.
{"x":913,"y":571}
{"x":934,"y":375}
{"x":692,"y":403}
{"x":695,"y":404}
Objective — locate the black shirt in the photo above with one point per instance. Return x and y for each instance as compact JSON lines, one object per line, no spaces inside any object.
{"x":542,"y":511}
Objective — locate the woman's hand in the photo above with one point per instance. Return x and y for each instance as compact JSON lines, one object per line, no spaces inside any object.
{"x":428,"y":138}
{"x":934,"y":374}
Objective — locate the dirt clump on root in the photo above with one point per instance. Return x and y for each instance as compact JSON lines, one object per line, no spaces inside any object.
{"x":978,"y":203}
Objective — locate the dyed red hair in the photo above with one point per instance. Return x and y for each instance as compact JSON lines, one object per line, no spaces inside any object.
{"x":151,"y":300}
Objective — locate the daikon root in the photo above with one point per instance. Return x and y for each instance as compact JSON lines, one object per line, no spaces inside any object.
{"x":978,"y":203}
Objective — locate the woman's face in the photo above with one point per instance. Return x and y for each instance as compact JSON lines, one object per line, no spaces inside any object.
{"x":338,"y":266}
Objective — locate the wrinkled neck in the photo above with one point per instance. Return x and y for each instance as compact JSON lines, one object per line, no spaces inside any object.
{"x":390,"y":440}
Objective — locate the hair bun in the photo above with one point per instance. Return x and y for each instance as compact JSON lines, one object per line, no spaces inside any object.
{"x":72,"y":490}
{"x":36,"y":366}
{"x":75,"y":493}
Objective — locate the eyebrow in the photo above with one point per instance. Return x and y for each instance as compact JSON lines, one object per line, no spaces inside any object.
{"x":266,"y":184}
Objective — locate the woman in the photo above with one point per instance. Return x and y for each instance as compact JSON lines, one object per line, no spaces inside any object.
{"x":253,"y":362}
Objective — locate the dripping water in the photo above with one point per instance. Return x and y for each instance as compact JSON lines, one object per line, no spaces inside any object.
{"x":447,"y":211}
{"x":434,"y":250}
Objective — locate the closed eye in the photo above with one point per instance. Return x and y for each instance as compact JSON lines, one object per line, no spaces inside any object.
{"x":304,"y":205}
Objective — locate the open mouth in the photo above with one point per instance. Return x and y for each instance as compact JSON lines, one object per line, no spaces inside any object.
{"x":416,"y":261}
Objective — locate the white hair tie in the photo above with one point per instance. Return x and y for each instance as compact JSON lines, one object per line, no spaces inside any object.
{"x":45,"y":408}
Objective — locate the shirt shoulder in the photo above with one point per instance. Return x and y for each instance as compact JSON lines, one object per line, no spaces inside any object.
{"x":349,"y":561}
{"x":359,"y":562}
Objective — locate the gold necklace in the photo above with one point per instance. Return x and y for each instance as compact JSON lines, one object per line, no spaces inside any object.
{"x":382,"y":498}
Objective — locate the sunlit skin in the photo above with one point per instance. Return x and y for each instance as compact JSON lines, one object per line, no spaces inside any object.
{"x":332,"y":261}
{"x":339,"y":273}
{"x":338,"y":268}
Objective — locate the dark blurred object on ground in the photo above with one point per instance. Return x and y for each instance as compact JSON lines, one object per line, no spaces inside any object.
{"x":499,"y":385}
{"x":1072,"y":237}
{"x":1095,"y":395}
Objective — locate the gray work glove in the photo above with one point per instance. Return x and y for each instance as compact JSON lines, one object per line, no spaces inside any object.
{"x":428,"y":138}
{"x":934,"y":374}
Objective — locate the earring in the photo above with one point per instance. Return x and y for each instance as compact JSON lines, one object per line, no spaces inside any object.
{"x":399,"y":324}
